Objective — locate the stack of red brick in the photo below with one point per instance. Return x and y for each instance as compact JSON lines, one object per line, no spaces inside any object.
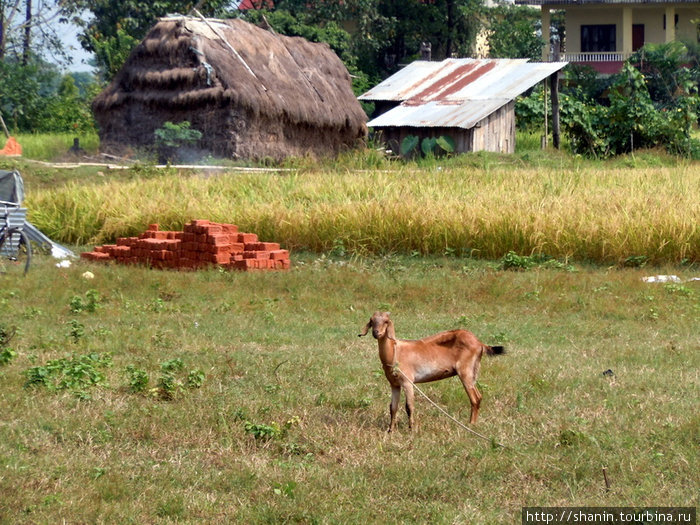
{"x":200,"y":244}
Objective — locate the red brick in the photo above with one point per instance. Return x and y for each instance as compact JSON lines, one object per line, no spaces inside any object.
{"x":221,"y":258}
{"x":269,"y":246}
{"x":153,"y":227}
{"x":211,"y":248}
{"x":256,"y":255}
{"x":218,"y":238}
{"x":279,"y":255}
{"x":247,"y":237}
{"x":245,"y":264}
{"x":283,"y":264}
{"x":95,"y":256}
{"x":229,"y":228}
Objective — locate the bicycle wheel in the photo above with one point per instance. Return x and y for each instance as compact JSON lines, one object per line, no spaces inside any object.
{"x":15,"y":252}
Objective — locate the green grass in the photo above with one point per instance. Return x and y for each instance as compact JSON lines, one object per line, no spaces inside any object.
{"x":211,"y":397}
{"x":53,"y":146}
{"x":289,"y":422}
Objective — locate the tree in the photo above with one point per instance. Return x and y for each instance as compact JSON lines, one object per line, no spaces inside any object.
{"x":663,"y":68}
{"x":114,"y":28}
{"x":27,"y":29}
{"x":37,"y":98}
{"x":384,"y":34}
{"x":450,"y":26}
{"x":513,"y":32}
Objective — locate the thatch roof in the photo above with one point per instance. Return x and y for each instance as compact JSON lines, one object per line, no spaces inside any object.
{"x":189,"y":69}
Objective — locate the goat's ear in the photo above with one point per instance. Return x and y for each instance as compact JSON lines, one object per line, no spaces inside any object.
{"x":367,"y":327}
{"x":390,"y":333}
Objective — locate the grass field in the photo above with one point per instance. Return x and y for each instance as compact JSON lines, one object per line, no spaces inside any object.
{"x":145,"y":396}
{"x":289,"y":422}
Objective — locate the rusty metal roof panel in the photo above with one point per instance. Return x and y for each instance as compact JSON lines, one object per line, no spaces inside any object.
{"x":460,"y":78}
{"x":437,"y":115}
{"x":455,"y":90}
{"x":410,"y":80}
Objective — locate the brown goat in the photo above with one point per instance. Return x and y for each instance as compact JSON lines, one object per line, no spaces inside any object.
{"x":455,"y":352}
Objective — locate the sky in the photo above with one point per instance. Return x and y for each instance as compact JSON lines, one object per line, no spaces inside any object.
{"x":69,"y":36}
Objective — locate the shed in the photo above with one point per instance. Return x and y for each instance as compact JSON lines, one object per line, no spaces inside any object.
{"x":471,"y":100}
{"x":252,"y":93}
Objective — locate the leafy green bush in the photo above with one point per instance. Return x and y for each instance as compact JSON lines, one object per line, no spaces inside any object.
{"x":175,"y":135}
{"x":6,"y":355}
{"x":75,"y":374}
{"x":170,"y":383}
{"x":171,"y":137}
{"x":137,"y":379}
{"x":653,"y":101}
{"x":90,"y":304}
{"x":77,"y":330}
{"x":428,"y":145}
{"x":195,"y":378}
{"x":513,"y":261}
{"x":263,"y":432}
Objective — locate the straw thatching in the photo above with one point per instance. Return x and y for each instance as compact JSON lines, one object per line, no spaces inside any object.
{"x":252,"y":93}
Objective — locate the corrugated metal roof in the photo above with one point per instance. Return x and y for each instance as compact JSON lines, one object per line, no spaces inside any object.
{"x":457,"y":92}
{"x":436,"y":115}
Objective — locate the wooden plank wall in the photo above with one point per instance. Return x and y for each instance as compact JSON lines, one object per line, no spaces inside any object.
{"x":495,"y":133}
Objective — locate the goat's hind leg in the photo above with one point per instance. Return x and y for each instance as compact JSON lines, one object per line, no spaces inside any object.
{"x":468,"y":378}
{"x":394,"y":407}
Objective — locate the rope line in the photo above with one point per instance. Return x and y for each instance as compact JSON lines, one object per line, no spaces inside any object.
{"x":448,"y":415}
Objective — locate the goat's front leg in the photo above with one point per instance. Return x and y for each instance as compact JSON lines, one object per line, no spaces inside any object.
{"x":408,"y":391}
{"x":394,"y":406}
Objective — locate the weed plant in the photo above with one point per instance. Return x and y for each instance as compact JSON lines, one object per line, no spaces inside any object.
{"x":288,"y":423}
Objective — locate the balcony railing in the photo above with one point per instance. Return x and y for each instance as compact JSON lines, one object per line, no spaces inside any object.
{"x":598,"y":56}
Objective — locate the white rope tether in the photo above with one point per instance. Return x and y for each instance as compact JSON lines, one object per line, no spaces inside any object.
{"x":465,"y":427}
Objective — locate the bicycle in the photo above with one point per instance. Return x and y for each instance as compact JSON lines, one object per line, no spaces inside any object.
{"x":15,"y":247}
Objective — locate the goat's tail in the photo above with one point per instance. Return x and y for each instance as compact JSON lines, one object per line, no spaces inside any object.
{"x":494,"y":350}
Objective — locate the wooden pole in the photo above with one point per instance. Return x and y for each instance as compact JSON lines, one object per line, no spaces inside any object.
{"x":554,"y":80}
{"x":4,"y":127}
{"x":545,"y":138}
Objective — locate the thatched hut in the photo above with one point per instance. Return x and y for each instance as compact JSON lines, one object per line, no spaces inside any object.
{"x":251,"y":93}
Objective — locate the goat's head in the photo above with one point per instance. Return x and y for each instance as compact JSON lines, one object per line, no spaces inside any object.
{"x":381,"y":325}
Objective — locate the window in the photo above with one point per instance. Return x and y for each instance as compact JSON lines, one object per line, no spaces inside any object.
{"x":598,"y":38}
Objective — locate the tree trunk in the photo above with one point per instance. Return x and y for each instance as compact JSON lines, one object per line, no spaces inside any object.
{"x":2,"y":30}
{"x":554,"y":79}
{"x":27,"y":33}
{"x":450,"y":28}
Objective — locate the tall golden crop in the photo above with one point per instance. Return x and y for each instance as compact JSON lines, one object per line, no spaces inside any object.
{"x":593,"y":213}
